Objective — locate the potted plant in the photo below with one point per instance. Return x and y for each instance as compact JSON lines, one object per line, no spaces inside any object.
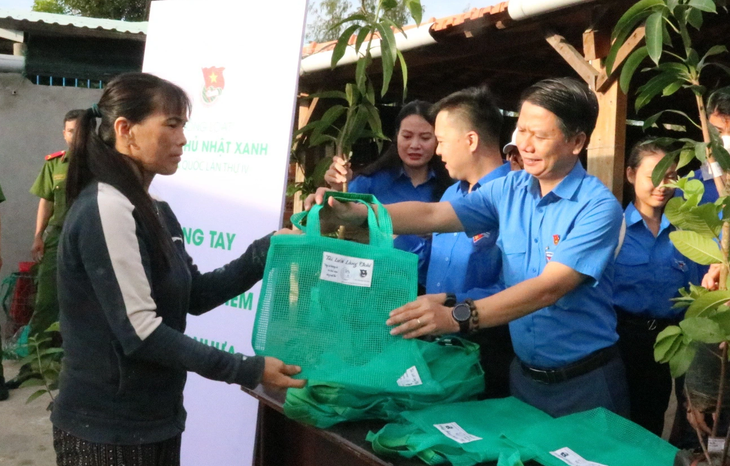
{"x":698,"y":346}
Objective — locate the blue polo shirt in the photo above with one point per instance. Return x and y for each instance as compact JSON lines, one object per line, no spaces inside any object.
{"x":394,"y":185}
{"x":576,"y":224}
{"x":649,"y":270}
{"x":468,"y":266}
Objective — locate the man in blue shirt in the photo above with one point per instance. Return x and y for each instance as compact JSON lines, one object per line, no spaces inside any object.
{"x":468,"y":124}
{"x":558,"y":228}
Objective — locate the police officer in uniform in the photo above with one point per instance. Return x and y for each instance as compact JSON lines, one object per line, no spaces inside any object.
{"x":50,"y":186}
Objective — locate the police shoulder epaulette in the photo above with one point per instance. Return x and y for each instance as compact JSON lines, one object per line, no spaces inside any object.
{"x":55,"y":155}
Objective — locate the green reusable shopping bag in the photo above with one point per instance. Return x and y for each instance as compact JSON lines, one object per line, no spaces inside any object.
{"x":444,"y":371}
{"x":462,"y":434}
{"x":598,"y":436}
{"x":324,"y":301}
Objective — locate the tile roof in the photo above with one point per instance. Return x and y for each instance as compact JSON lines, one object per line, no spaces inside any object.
{"x":19,"y":18}
{"x":490,"y":15}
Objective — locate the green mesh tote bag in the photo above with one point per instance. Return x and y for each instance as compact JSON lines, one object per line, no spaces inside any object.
{"x":324,"y":301}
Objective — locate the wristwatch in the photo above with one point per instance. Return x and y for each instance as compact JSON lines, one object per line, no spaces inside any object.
{"x":462,"y":314}
{"x":450,"y":300}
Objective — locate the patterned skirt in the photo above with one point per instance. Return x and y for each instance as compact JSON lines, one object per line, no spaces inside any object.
{"x":73,"y":451}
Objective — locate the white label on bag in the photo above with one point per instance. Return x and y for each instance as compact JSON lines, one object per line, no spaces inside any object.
{"x":715,"y":444}
{"x":347,"y":270}
{"x":568,"y":456}
{"x":410,"y":379}
{"x":453,"y":431}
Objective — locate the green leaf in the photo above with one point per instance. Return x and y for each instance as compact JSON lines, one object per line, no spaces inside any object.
{"x":672,"y":88}
{"x":701,"y":151}
{"x":716,"y":50}
{"x":694,"y":18}
{"x":49,"y":351}
{"x":664,"y":341}
{"x":35,"y":395}
{"x":632,"y":63}
{"x":703,"y":220}
{"x":32,"y":383}
{"x":706,"y":303}
{"x":387,"y":49}
{"x":719,"y":153}
{"x":702,"y":329}
{"x":352,"y":94}
{"x":416,"y":10}
{"x":389,"y":4}
{"x":662,"y":167}
{"x":361,"y":76}
{"x":724,"y":68}
{"x":704,"y":5}
{"x":320,"y":169}
{"x":361,"y":35}
{"x":404,"y":73}
{"x":681,"y":360}
{"x":722,"y":317}
{"x":328,"y":119}
{"x":652,"y":88}
{"x":342,"y":42}
{"x":625,"y":27}
{"x":654,"y":36}
{"x":685,"y":157}
{"x":350,"y":19}
{"x":54,"y":327}
{"x":374,"y":122}
{"x":696,"y":247}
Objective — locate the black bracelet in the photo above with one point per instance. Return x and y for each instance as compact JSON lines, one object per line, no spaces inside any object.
{"x":474,"y":323}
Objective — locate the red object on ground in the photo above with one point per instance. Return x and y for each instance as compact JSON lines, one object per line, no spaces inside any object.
{"x":21,"y":308}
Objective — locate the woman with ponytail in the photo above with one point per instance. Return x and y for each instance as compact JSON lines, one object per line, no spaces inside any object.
{"x":126,"y":285}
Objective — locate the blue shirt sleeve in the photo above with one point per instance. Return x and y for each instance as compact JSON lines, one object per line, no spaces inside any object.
{"x":360,"y":185}
{"x":591,"y":244}
{"x":477,"y":211}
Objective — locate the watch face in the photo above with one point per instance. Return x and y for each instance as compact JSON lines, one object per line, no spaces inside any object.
{"x":462,"y":312}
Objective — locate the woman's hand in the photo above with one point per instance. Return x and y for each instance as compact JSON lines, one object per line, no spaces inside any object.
{"x":424,"y":316}
{"x":712,"y":277}
{"x":338,"y":173}
{"x":278,"y":375}
{"x":288,"y":231}
{"x":36,"y":251}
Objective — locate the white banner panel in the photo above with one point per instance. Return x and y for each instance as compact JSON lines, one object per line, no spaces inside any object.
{"x":239,"y":63}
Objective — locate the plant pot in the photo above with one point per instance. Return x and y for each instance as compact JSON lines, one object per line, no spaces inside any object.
{"x":702,"y":381}
{"x":690,"y":458}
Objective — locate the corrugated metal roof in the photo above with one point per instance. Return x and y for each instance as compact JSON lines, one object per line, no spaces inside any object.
{"x":125,"y":27}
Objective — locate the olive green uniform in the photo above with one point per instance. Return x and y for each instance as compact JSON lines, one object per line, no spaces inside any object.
{"x":50,"y":185}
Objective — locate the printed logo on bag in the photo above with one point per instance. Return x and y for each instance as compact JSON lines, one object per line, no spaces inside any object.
{"x":411,"y":378}
{"x":346,"y":270}
{"x":568,"y":456}
{"x":214,"y":84}
{"x":454,"y":431}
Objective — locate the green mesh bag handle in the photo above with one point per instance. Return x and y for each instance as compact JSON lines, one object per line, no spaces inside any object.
{"x":380,"y":226}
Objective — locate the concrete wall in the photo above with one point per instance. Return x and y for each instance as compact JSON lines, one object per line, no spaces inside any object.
{"x":31,"y":125}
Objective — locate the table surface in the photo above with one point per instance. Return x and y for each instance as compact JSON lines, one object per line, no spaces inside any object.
{"x":348,"y":435}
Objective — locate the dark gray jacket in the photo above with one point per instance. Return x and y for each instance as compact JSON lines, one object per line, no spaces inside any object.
{"x":126,"y":357}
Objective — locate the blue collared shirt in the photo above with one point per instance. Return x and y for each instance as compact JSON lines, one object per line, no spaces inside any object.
{"x":576,"y":224}
{"x":649,"y":270}
{"x":394,"y":185}
{"x":467,"y":266}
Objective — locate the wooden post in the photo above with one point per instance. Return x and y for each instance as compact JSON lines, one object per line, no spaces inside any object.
{"x":607,"y":148}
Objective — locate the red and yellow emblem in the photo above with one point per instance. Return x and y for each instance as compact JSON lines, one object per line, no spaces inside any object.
{"x":556,"y":239}
{"x":214,"y":83}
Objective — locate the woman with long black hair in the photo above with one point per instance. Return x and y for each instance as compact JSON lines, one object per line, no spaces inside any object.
{"x":407,"y":171}
{"x":126,"y":285}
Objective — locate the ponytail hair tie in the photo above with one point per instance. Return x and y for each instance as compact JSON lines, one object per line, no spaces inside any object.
{"x":95,"y":110}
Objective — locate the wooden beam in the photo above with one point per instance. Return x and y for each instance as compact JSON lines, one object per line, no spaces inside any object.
{"x":572,"y":57}
{"x":635,"y":39}
{"x":596,"y":44}
{"x":608,"y":142}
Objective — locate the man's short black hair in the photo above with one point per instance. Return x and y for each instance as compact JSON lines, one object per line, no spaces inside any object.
{"x":477,"y":108}
{"x":575,"y":105}
{"x":719,"y":102}
{"x":73,"y":115}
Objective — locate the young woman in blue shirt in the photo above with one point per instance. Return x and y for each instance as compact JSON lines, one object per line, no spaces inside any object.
{"x":649,"y":272}
{"x":407,"y":171}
